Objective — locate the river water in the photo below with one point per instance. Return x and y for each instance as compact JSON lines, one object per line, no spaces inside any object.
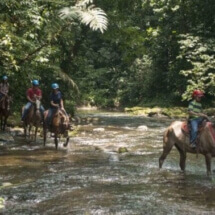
{"x":91,"y":177}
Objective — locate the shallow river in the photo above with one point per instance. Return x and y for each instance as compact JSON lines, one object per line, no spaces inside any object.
{"x":91,"y":177}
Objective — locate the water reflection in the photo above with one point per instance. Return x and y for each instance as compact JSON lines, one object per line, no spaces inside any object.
{"x":91,"y":177}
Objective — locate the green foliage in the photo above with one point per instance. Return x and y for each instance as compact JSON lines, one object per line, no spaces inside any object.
{"x":153,"y":51}
{"x":35,"y":43}
{"x":2,"y":203}
{"x":199,"y":53}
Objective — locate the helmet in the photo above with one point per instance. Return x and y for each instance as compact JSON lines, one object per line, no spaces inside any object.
{"x":4,"y":77}
{"x":197,"y":93}
{"x":55,"y":86}
{"x":35,"y":83}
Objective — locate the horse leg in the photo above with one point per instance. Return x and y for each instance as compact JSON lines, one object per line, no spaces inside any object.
{"x":44,"y":135}
{"x":5,"y":122}
{"x":183,"y":157}
{"x":67,"y":141}
{"x":56,"y":140}
{"x":29,"y":131}
{"x":25,"y":130}
{"x":1,"y":123}
{"x":166,"y":151}
{"x":167,"y":146}
{"x":208,"y":163}
{"x":35,"y":135}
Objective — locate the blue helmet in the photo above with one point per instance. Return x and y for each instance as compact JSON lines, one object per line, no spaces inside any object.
{"x":4,"y":77}
{"x":55,"y":86}
{"x":35,"y":83}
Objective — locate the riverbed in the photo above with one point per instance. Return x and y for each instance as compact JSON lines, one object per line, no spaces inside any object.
{"x":91,"y":176}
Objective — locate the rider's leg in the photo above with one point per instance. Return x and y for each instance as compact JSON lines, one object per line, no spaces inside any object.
{"x":26,"y":108}
{"x":49,"y":116}
{"x":194,"y":130}
{"x":42,"y":110}
{"x":1,"y":96}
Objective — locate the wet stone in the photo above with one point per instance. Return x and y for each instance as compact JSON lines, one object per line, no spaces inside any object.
{"x":142,"y":128}
{"x":98,"y":129}
{"x":6,"y":184}
{"x":122,"y":150}
{"x":6,"y":137}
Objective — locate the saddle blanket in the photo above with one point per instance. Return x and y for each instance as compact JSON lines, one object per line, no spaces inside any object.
{"x":185,"y":128}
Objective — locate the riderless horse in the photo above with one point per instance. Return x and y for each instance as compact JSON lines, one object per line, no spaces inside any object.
{"x":59,"y":126}
{"x":33,"y":118}
{"x":4,"y":110}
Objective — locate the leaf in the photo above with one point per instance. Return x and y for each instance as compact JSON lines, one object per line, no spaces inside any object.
{"x":93,"y":16}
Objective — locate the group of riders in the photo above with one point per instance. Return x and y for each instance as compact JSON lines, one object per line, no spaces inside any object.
{"x":195,"y":112}
{"x":35,"y":93}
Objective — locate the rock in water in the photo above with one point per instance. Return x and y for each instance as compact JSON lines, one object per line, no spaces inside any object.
{"x":98,"y":129}
{"x":142,"y":128}
{"x":122,"y":150}
{"x":6,"y":137}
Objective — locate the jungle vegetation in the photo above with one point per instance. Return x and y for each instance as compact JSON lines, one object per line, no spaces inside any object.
{"x":109,"y":53}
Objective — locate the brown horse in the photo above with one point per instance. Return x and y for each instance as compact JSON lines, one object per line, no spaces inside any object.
{"x":33,"y":118}
{"x":59,"y":126}
{"x":4,"y":111}
{"x":175,"y":136}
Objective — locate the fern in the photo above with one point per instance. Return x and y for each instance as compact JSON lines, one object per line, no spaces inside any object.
{"x":90,"y":15}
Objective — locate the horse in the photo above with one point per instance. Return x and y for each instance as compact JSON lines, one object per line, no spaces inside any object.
{"x":4,"y":111}
{"x":176,"y":136}
{"x":59,"y":126}
{"x":33,"y":118}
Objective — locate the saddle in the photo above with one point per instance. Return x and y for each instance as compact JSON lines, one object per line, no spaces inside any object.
{"x":185,"y":127}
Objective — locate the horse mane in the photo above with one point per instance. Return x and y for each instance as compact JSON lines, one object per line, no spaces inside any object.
{"x":60,"y":119}
{"x":32,"y":112}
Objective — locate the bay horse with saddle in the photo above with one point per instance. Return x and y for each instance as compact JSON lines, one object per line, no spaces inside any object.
{"x":33,"y":118}
{"x":59,"y":125}
{"x":4,"y":111}
{"x":32,"y":112}
{"x":56,"y":120}
{"x":5,"y":100}
{"x":194,"y":136}
{"x":177,"y":135}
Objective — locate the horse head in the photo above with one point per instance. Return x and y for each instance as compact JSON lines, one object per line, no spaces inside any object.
{"x":64,"y":119}
{"x":37,"y":107}
{"x":60,"y":126}
{"x":8,"y":100}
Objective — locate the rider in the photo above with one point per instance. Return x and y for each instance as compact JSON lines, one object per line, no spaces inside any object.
{"x":56,"y":102}
{"x":33,"y":93}
{"x":195,"y":115}
{"x":4,"y":89}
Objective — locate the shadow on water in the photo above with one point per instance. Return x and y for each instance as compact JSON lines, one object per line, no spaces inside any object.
{"x":91,"y":177}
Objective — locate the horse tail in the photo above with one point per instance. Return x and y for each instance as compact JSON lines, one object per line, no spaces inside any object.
{"x":167,"y":146}
{"x":166,"y":135}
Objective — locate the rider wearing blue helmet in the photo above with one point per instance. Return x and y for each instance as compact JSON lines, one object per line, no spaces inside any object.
{"x":33,"y":93}
{"x":56,"y":101}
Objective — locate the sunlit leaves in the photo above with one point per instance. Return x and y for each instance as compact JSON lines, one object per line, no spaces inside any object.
{"x":90,"y":15}
{"x":199,"y":52}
